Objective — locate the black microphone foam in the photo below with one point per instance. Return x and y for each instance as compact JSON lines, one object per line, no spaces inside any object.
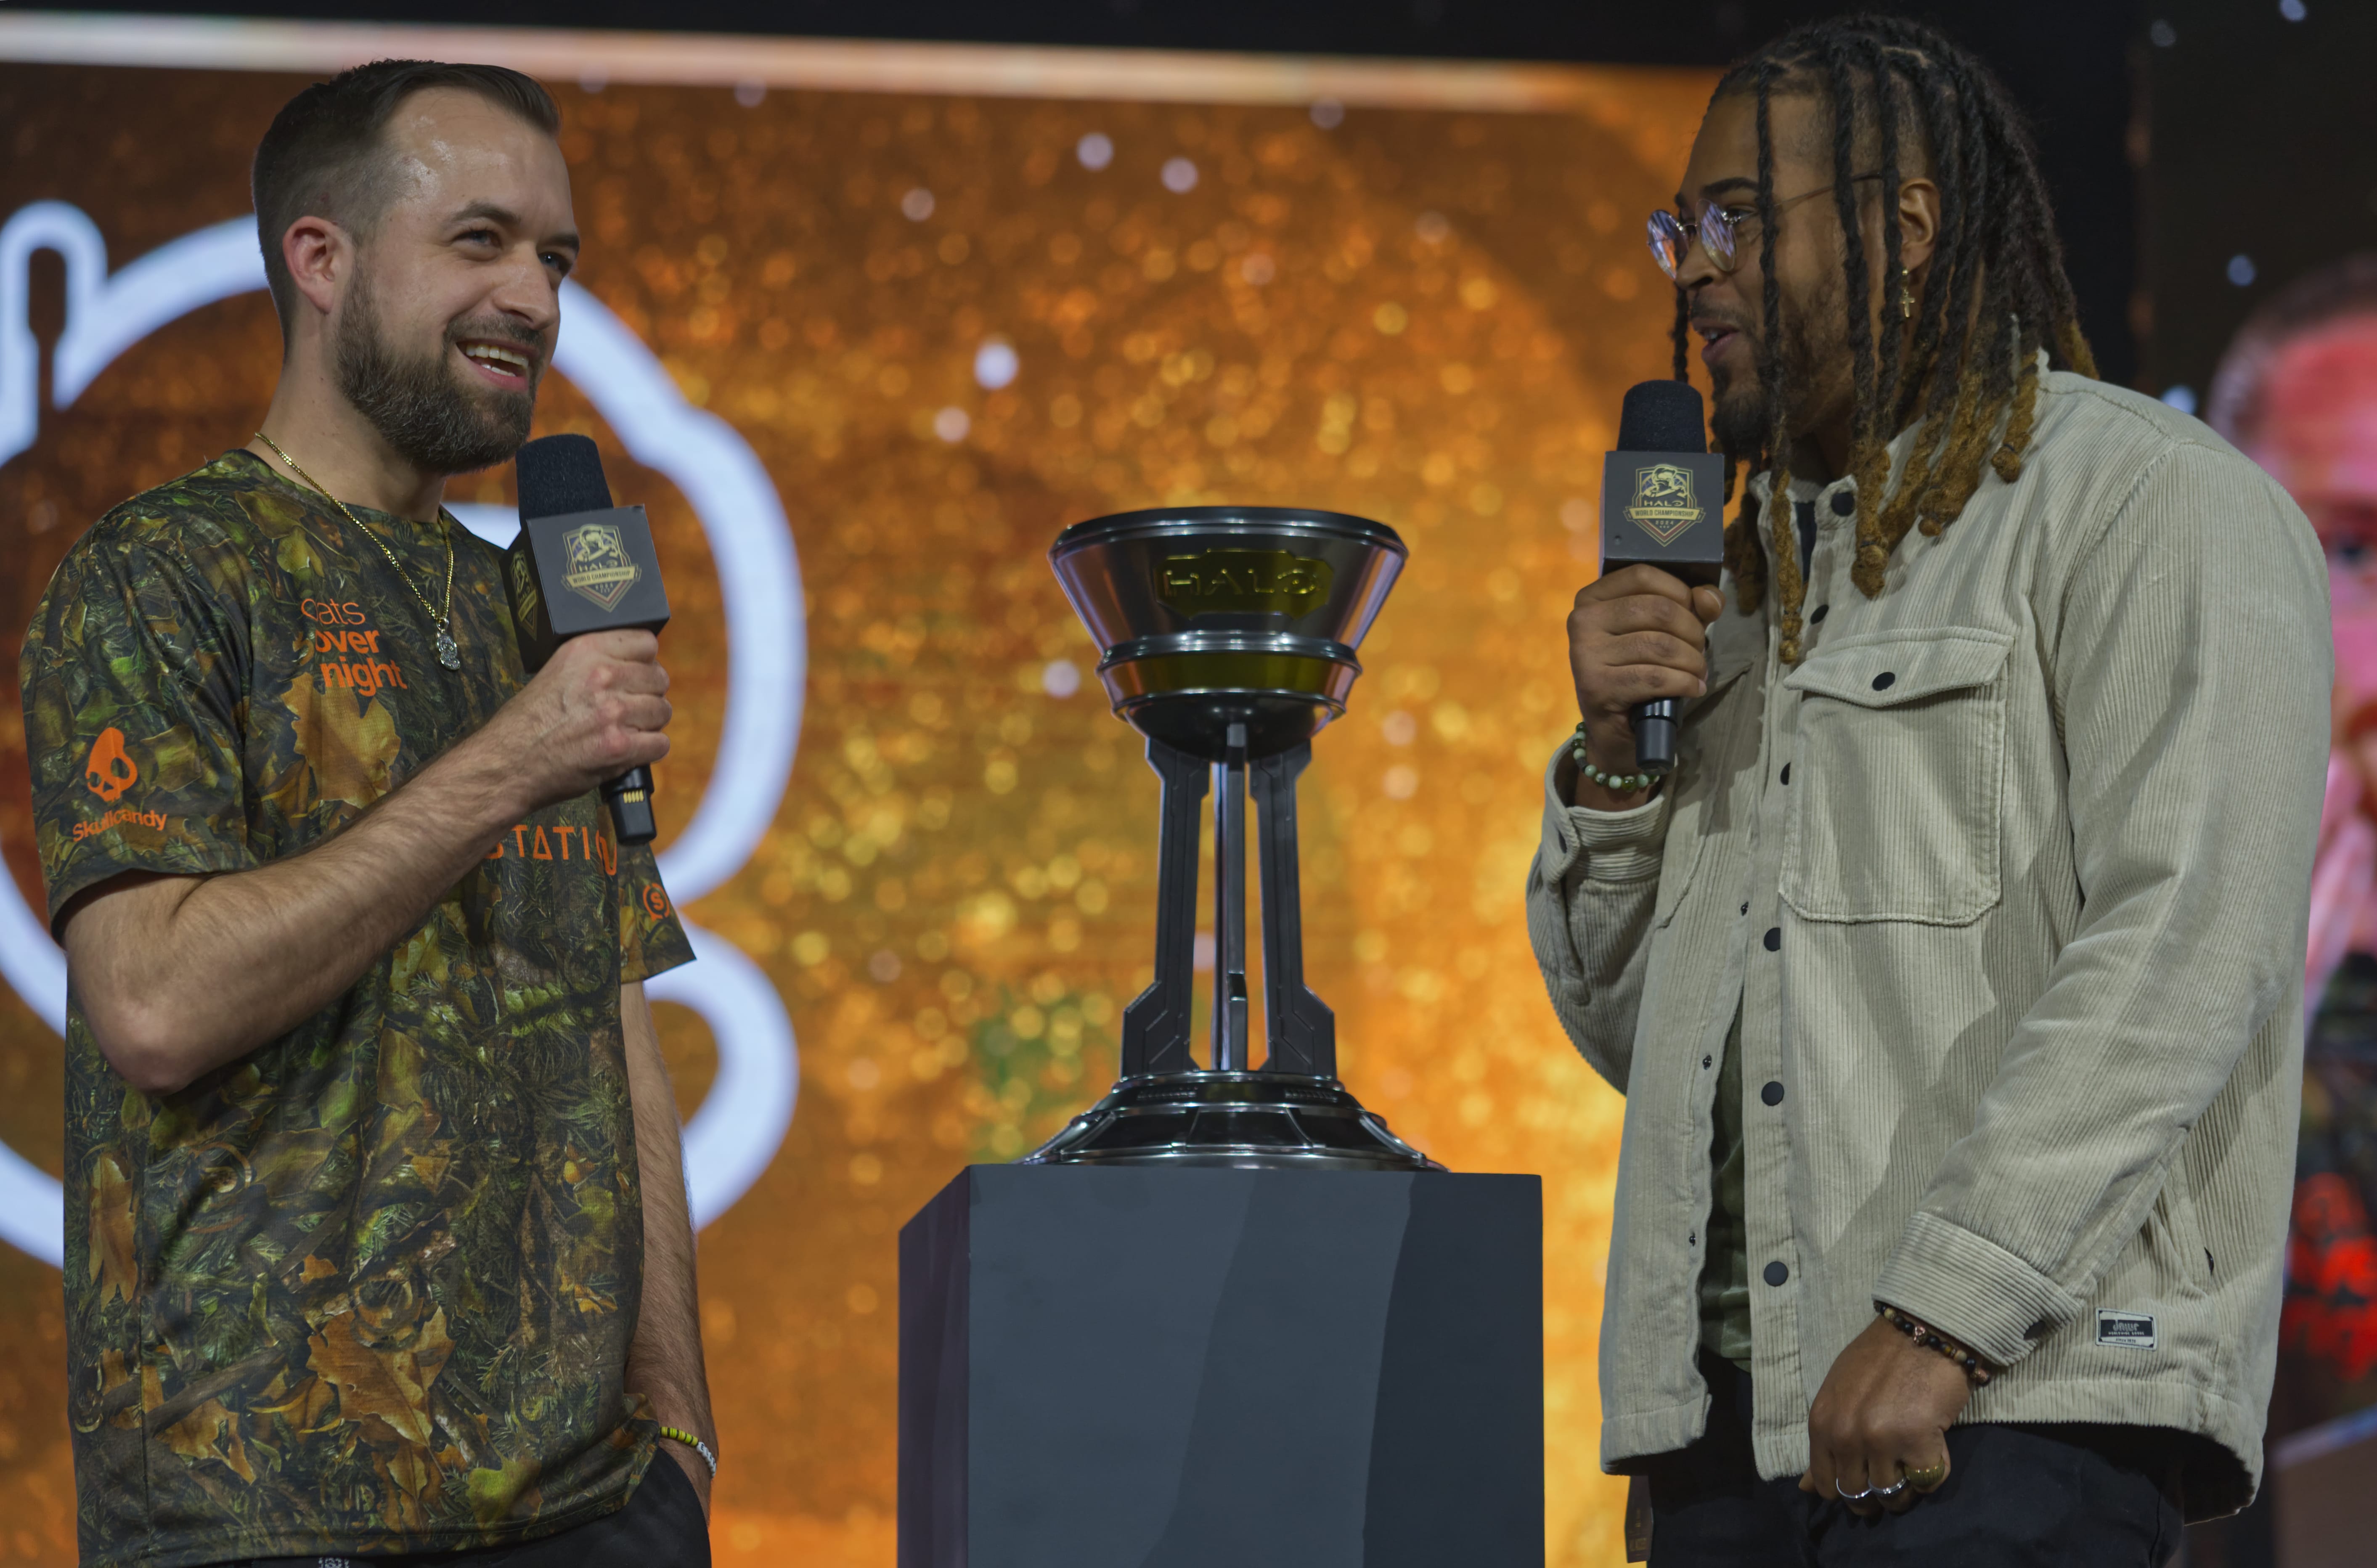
{"x":1658,"y":416}
{"x":561,"y":474}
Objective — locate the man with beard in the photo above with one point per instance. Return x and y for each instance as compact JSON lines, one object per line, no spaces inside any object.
{"x":2297,"y":391}
{"x":377,"y":1241}
{"x":1955,"y":977}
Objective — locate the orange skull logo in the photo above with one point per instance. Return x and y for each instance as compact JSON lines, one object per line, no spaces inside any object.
{"x":109,"y":772}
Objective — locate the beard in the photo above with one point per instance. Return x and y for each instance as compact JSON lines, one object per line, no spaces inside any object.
{"x":1742,"y":415}
{"x":1739,"y":417}
{"x":421,"y":405}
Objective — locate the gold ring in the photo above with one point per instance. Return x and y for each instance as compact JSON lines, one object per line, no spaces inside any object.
{"x":1925,"y":1477}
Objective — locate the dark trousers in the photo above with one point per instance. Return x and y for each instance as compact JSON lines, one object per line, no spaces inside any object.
{"x":2049,"y":1496}
{"x":662,"y":1526}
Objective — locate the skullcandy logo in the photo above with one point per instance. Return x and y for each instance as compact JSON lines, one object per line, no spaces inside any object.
{"x":109,"y":772}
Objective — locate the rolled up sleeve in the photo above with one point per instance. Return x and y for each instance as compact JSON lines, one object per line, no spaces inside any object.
{"x":1590,"y":895}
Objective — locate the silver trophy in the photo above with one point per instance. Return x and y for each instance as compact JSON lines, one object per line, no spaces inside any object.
{"x":1229,"y":635}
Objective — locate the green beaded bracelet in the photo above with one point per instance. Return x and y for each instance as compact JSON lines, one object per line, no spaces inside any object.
{"x":1616,"y":783}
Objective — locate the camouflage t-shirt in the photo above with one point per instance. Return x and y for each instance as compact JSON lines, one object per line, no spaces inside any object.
{"x":371,"y":1287}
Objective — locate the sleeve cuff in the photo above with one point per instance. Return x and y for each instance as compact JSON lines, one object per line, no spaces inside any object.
{"x":656,"y":959}
{"x":190,"y":856}
{"x":1972,"y":1290}
{"x":1614,"y":846}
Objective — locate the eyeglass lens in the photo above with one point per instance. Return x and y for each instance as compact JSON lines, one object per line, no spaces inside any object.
{"x":1670,"y":239}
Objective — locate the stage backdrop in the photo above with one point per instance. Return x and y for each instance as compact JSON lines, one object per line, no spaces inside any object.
{"x":864,"y":327}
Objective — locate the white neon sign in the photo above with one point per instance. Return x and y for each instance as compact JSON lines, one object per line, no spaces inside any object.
{"x":743,"y":1118}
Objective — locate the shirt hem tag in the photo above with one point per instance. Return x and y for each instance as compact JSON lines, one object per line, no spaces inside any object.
{"x":2131,"y":1330}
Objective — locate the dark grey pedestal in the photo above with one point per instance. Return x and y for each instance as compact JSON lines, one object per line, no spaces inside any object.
{"x":1133,"y":1367}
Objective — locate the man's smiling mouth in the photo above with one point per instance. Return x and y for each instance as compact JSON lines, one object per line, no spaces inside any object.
{"x":507,"y":366}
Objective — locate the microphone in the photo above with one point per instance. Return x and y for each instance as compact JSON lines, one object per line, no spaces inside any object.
{"x":1662,"y":505}
{"x":582,"y":565}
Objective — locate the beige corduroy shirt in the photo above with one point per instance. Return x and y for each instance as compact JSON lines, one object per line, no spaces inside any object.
{"x":2009,"y":879}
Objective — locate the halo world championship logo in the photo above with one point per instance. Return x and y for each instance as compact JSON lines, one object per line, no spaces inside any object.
{"x":598,"y":568}
{"x":1663,"y":505}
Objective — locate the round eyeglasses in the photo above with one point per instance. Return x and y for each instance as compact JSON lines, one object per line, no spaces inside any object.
{"x":1719,"y":231}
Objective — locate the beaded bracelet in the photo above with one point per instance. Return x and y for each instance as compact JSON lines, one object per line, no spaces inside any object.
{"x":1932,"y":1338}
{"x":1616,"y":783}
{"x":678,"y":1434}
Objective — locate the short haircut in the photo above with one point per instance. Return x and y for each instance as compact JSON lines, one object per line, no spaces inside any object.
{"x":2342,"y":289}
{"x":324,"y":155}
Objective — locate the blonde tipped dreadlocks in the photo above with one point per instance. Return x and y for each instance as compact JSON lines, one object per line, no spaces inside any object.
{"x":1996,"y":294}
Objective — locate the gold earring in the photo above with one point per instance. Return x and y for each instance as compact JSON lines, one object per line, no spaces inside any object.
{"x":1905,"y":302}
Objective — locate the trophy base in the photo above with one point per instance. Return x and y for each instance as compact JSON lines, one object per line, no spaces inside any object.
{"x":1142,"y":1367}
{"x":1241,"y":1121}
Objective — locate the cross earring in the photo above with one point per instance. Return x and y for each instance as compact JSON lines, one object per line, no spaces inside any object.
{"x":1905,"y":302}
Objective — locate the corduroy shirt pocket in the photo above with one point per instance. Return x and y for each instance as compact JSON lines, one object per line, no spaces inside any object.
{"x":1898,"y":778}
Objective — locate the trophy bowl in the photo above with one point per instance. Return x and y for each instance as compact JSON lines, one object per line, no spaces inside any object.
{"x":1215,"y":616}
{"x":1229,"y":637}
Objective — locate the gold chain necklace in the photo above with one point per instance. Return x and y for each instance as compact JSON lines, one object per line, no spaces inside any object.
{"x":450,"y":652}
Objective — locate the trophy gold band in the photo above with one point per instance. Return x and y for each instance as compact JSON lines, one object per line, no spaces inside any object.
{"x":1229,"y":637}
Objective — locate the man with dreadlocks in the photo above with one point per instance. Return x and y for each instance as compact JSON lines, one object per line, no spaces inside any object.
{"x":1955,"y":977}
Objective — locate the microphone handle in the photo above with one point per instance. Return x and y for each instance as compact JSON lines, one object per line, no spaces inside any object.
{"x":630,"y":795}
{"x":1655,"y":737}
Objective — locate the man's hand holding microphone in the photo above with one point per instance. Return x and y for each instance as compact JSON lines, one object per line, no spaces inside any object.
{"x":583,"y":571}
{"x":1635,"y":636}
{"x":181,"y":975}
{"x":598,"y":708}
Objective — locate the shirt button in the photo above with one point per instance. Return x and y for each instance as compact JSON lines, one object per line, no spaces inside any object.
{"x":1773,"y":938}
{"x":1884,"y":681}
{"x":1705,"y":1060}
{"x":1787,"y":773}
{"x":1822,"y":611}
{"x":1844,"y":503}
{"x":1745,"y":909}
{"x":1772,"y":1094}
{"x":1776,"y":1273}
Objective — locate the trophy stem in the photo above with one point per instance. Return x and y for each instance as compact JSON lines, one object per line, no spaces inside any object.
{"x":1230,"y":1021}
{"x":1156,"y":1027}
{"x":1292,"y":1113}
{"x":1299,"y":1031}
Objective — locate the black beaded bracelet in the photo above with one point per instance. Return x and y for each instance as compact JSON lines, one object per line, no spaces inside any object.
{"x":1930,"y":1338}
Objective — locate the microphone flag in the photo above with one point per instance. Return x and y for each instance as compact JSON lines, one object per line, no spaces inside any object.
{"x":1662,"y":505}
{"x":1662,"y":491}
{"x":582,"y":565}
{"x":579,"y":563}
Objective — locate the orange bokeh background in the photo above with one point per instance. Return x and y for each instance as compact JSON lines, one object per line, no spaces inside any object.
{"x":1424,"y":316}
